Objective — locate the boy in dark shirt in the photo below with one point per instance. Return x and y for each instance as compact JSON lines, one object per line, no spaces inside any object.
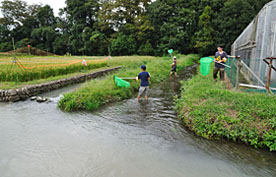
{"x":173,"y":65}
{"x":144,"y":87}
{"x":220,"y":57}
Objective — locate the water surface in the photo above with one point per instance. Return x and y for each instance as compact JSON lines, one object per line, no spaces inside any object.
{"x":126,"y":139}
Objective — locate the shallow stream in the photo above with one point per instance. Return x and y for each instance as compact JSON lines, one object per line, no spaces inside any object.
{"x":126,"y":139}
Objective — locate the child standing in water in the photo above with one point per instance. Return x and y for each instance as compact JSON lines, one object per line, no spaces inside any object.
{"x":173,"y":65}
{"x":144,"y":76}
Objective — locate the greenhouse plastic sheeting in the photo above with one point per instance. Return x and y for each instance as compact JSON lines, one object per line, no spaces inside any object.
{"x":258,"y":41}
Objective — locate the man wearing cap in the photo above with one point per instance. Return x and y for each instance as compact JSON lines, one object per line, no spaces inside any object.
{"x":220,"y":60}
{"x":144,"y":76}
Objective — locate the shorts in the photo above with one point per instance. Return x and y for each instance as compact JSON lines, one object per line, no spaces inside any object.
{"x":142,"y":90}
{"x":173,"y":69}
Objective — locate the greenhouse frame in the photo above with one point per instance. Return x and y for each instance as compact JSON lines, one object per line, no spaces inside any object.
{"x":257,"y":42}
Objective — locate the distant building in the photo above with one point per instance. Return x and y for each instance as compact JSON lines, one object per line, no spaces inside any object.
{"x":258,"y":41}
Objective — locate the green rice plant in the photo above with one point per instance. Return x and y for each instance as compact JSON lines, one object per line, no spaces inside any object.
{"x":19,"y":75}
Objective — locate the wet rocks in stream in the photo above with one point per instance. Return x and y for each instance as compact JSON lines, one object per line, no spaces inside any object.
{"x":40,"y":99}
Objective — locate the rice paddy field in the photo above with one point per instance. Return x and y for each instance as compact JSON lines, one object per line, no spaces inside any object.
{"x":29,"y":68}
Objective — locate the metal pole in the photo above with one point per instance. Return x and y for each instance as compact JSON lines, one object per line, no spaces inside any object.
{"x":254,"y":86}
{"x":269,"y":74}
{"x":253,"y":73}
{"x":128,"y":78}
{"x":223,"y":64}
{"x":238,"y":66}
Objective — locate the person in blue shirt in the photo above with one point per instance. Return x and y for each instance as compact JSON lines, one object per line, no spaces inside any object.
{"x":144,"y":76}
{"x":220,"y":60}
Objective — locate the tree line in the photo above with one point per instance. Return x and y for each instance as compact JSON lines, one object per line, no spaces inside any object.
{"x":126,"y":27}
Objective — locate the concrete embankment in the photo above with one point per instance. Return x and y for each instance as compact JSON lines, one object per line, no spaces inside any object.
{"x":23,"y":93}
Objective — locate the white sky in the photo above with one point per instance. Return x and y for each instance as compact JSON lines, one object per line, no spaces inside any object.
{"x":55,"y":4}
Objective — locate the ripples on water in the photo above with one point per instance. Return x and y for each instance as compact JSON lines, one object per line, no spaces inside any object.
{"x":126,"y":139}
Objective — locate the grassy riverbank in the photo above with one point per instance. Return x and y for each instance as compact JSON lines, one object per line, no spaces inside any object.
{"x":102,"y":91}
{"x":212,"y":111}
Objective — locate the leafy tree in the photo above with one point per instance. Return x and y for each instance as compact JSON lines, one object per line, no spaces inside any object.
{"x":23,"y":43}
{"x":204,"y":37}
{"x":146,"y":49}
{"x":122,"y":12}
{"x":145,"y":27}
{"x":60,"y":45}
{"x":174,"y":25}
{"x":6,"y":46}
{"x":16,"y":12}
{"x":100,"y":43}
{"x":43,"y":38}
{"x":80,"y":14}
{"x":124,"y":45}
{"x":45,"y":16}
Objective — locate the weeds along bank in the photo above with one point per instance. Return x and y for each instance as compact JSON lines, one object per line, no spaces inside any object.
{"x":212,"y":111}
{"x":99,"y":92}
{"x":29,"y":68}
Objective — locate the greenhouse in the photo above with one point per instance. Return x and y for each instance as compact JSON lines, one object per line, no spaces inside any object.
{"x":257,"y":42}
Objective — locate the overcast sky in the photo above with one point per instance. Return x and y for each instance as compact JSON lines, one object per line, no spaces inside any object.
{"x":55,"y":4}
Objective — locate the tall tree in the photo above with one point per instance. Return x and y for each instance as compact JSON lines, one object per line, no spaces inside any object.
{"x":80,"y":14}
{"x":120,"y":12}
{"x":205,"y":36}
{"x":45,"y":16}
{"x":174,"y":25}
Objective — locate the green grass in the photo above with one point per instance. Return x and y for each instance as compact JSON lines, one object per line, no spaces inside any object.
{"x":212,"y":111}
{"x":102,"y":91}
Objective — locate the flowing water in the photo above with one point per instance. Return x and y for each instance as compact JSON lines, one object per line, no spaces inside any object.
{"x":126,"y":139}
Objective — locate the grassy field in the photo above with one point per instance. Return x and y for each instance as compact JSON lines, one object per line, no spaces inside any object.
{"x":102,"y":91}
{"x":212,"y":111}
{"x":29,"y":68}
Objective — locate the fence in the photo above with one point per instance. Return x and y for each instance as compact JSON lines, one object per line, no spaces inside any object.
{"x":241,"y":75}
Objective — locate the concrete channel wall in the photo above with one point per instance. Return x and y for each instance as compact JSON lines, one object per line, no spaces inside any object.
{"x":24,"y":93}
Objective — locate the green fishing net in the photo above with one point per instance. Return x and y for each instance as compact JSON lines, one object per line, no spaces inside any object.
{"x":121,"y":83}
{"x":205,"y":64}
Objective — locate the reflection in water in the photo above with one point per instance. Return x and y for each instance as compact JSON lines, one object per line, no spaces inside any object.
{"x":120,"y":140}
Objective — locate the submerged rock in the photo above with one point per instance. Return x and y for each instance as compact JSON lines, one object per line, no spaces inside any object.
{"x":40,"y":99}
{"x":33,"y":98}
